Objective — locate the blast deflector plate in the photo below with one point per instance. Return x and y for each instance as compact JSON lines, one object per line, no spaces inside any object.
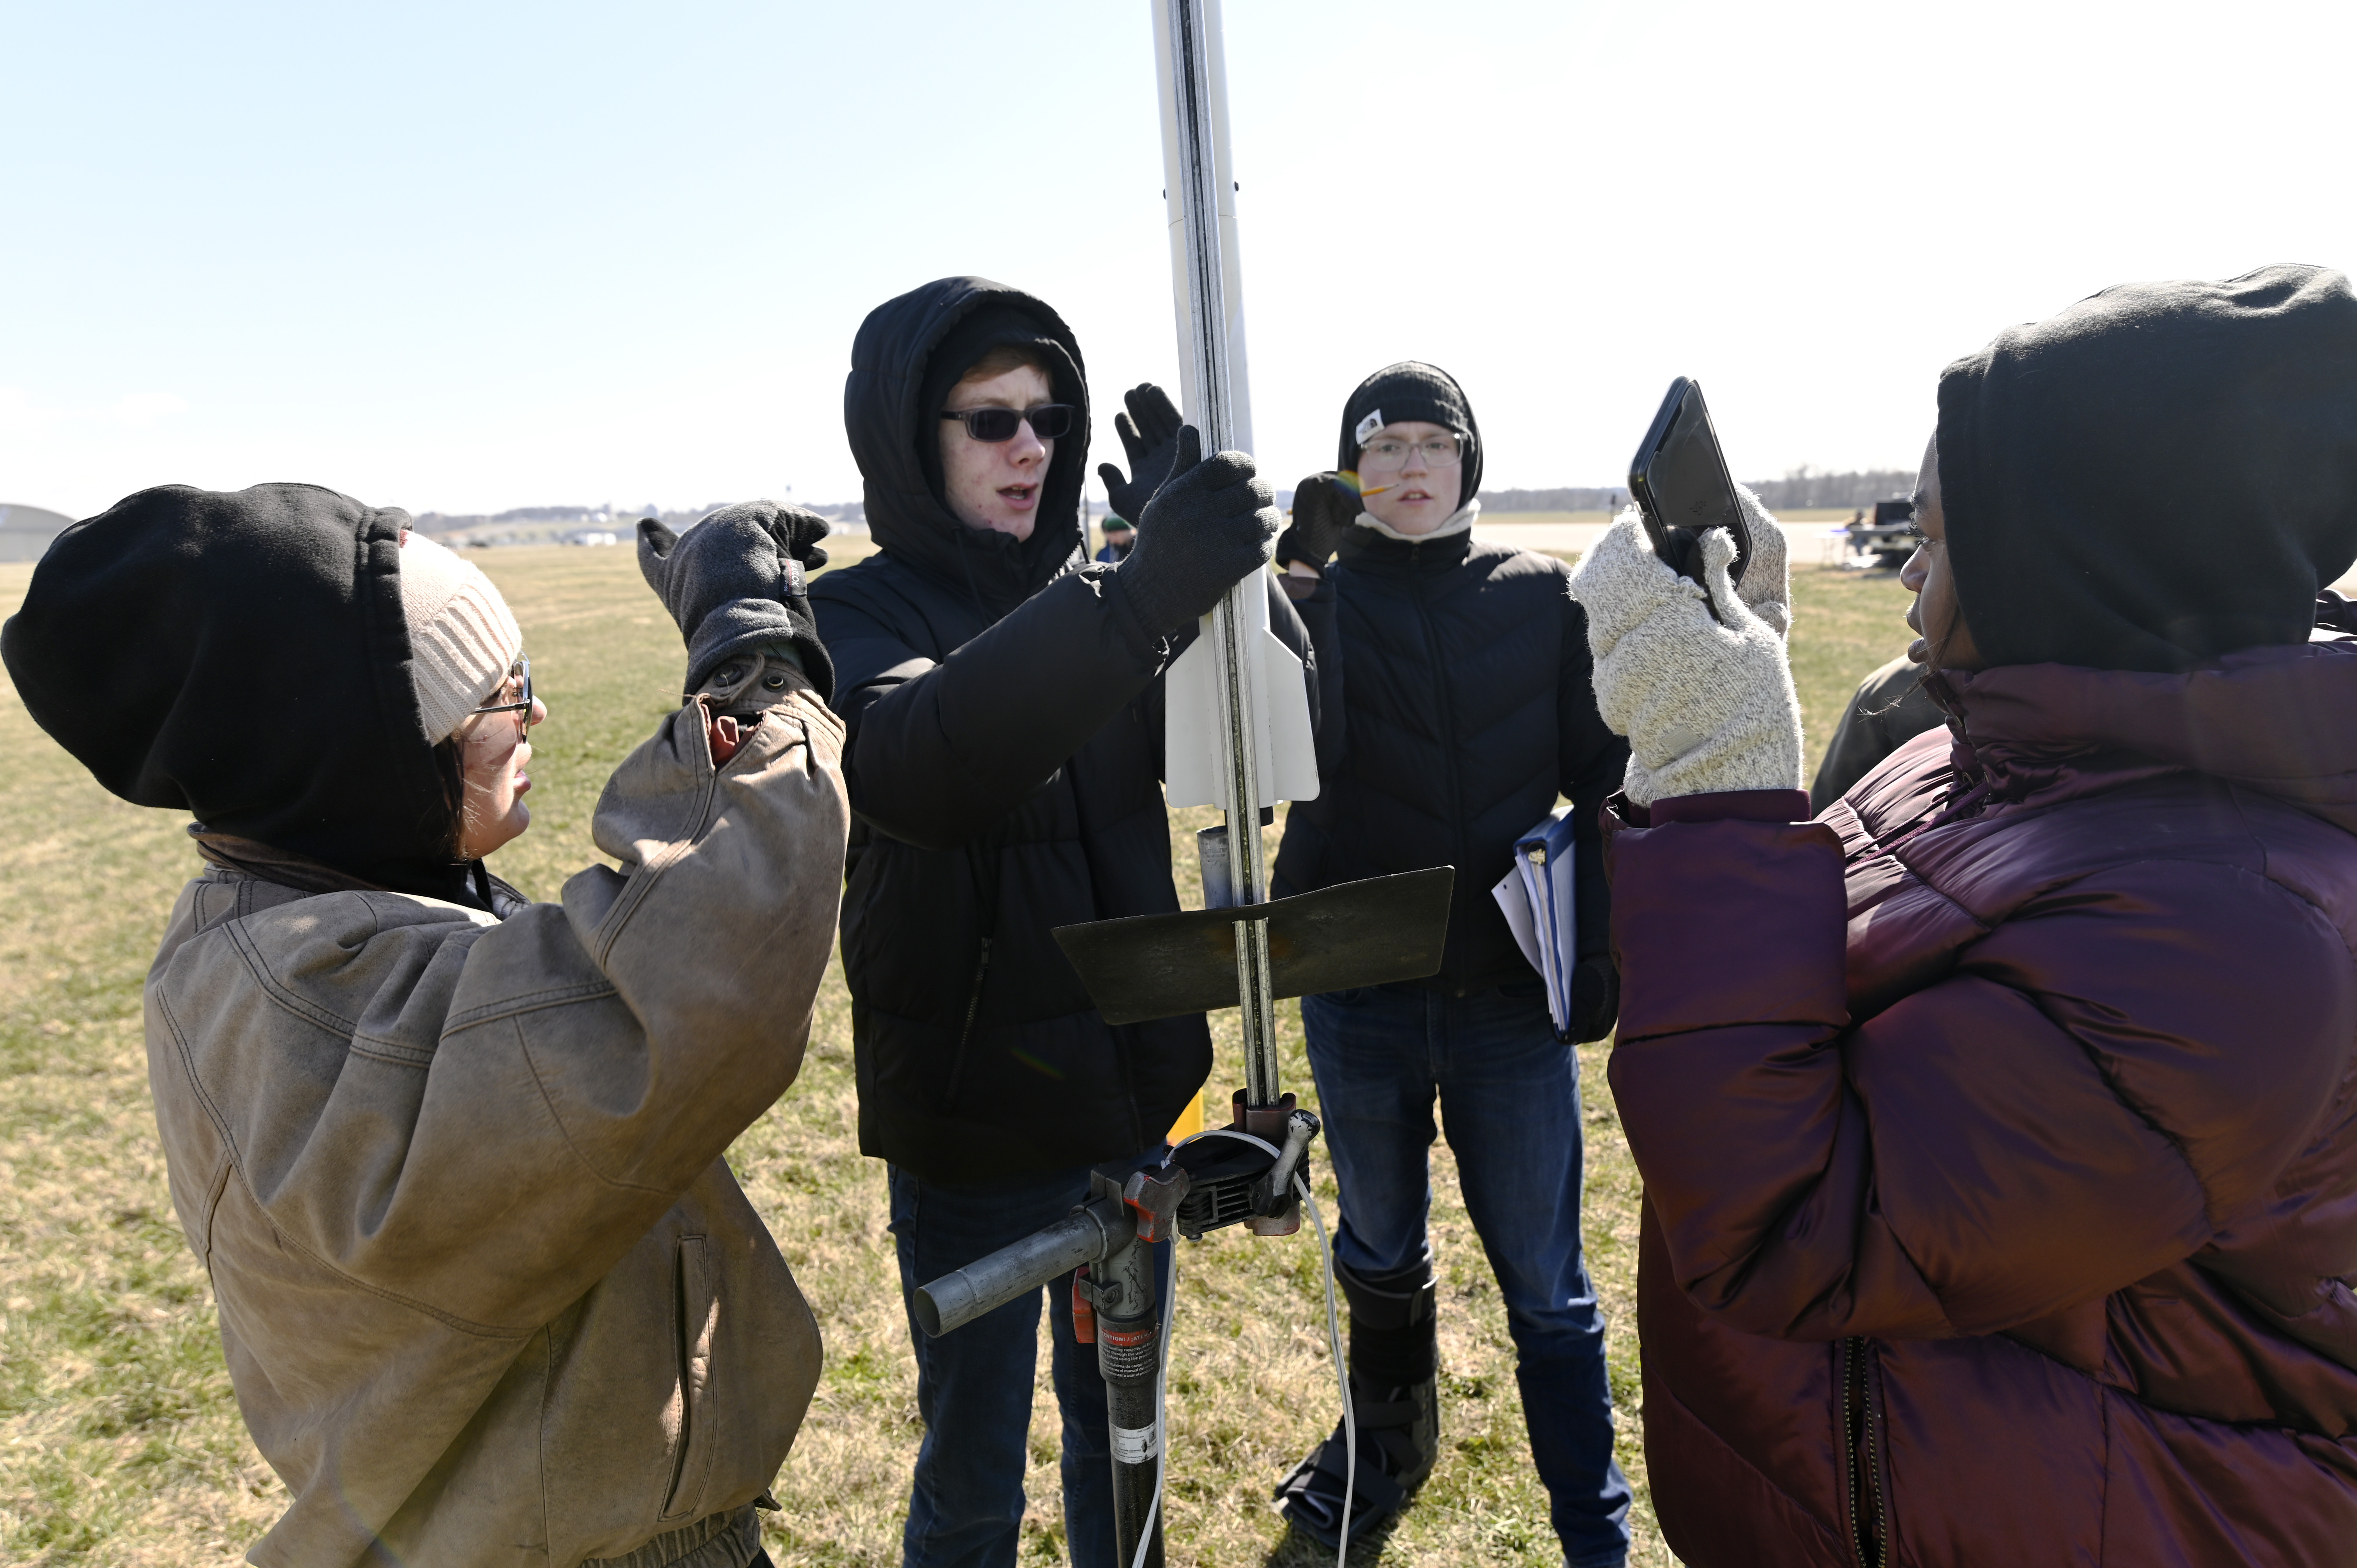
{"x":1357,"y":933}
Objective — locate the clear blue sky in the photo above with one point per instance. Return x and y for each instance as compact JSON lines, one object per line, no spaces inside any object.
{"x":462,"y":258}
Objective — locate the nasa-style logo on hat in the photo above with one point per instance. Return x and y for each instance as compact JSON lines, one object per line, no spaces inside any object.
{"x":1367,"y":426}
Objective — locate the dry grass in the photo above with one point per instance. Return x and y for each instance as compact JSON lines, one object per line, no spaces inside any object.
{"x":119,"y":1439}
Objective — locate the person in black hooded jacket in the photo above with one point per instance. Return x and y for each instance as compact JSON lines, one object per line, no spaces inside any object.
{"x":1004,"y":703}
{"x":1456,"y":707}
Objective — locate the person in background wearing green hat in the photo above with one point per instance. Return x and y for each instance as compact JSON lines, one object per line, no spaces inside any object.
{"x":1118,"y":538}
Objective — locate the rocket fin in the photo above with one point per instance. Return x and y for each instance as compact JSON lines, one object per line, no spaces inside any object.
{"x":1287,"y":748}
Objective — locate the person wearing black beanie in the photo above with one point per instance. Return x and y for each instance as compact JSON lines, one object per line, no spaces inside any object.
{"x":1999,"y":1124}
{"x":1457,"y":705}
{"x":1003,"y":696}
{"x":452,"y":1159}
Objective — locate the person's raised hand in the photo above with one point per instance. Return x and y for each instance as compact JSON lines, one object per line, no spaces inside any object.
{"x":1149,"y":436}
{"x":1206,"y":530}
{"x":1707,"y":703}
{"x":1324,"y":508}
{"x":737,"y":582}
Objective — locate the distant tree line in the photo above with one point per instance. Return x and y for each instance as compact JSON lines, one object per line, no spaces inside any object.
{"x":1802,"y":487}
{"x":1806,"y":486}
{"x":1573,"y":499}
{"x":607,"y":516}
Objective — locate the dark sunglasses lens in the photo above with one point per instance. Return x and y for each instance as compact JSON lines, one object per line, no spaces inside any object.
{"x":1051,"y":421}
{"x":991,"y":424}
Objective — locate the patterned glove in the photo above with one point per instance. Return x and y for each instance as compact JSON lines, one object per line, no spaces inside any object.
{"x":738,"y":581}
{"x":1706,"y":706}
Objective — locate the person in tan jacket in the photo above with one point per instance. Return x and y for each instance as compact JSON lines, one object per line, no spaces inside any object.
{"x":487,"y":1292}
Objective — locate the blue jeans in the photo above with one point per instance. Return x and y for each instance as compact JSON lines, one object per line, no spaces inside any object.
{"x":973,"y":1384}
{"x":1509,"y":1092}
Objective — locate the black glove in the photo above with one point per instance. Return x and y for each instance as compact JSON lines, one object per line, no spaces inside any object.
{"x":1595,"y":999}
{"x":1204,"y":532}
{"x":1323,"y":510}
{"x":1149,"y":433}
{"x":738,"y":581}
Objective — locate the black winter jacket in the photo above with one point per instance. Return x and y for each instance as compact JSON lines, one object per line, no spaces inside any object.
{"x":1004,"y":759}
{"x":1456,"y":704}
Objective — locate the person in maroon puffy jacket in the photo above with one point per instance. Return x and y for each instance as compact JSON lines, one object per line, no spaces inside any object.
{"x":1999,"y":1125}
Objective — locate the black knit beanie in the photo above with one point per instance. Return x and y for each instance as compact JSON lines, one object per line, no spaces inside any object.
{"x":1412,"y":390}
{"x":988,"y":327}
{"x":244,"y":656}
{"x":2161,"y":475}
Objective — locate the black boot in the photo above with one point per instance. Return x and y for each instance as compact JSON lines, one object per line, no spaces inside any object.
{"x":1395,"y":1397}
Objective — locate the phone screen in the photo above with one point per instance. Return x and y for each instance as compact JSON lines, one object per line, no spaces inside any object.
{"x":1681,"y":484}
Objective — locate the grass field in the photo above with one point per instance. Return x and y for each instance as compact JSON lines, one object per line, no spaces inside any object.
{"x":119,"y":1439}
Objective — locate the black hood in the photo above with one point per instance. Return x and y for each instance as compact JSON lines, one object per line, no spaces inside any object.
{"x":243,"y":657}
{"x":885,"y":417}
{"x":2157,"y":477}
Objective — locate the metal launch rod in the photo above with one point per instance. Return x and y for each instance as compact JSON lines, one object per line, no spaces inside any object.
{"x":1200,"y":196}
{"x":1239,"y":734}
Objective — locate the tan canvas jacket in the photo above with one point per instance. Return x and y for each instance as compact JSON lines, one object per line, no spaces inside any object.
{"x":489,"y":1293}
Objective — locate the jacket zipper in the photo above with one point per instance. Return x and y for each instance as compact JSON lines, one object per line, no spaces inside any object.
{"x":986,"y":909}
{"x":1860,"y":1453}
{"x":1440,"y":698}
{"x":965,"y":1031}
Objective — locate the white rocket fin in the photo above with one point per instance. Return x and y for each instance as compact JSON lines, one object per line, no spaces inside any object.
{"x":1286,"y":748}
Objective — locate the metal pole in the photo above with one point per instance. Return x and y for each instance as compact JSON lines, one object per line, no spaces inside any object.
{"x":1200,"y":186}
{"x":1129,"y":1357}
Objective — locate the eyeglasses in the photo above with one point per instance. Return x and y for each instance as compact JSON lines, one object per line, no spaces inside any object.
{"x":519,"y":679}
{"x":1048,"y":421}
{"x":1389,"y":454}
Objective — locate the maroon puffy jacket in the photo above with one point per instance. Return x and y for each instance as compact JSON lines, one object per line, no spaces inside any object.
{"x":2001,"y":1184}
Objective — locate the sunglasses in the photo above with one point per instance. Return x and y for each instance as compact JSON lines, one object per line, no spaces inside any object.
{"x":1048,"y":421}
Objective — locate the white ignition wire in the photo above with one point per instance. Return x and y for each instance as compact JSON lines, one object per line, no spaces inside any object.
{"x":1161,"y":1412}
{"x":1333,"y":1341}
{"x":1341,"y":1374}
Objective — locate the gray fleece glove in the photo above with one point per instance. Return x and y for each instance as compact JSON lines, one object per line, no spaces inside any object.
{"x":1204,"y":531}
{"x":737,"y":582}
{"x":1706,"y":707}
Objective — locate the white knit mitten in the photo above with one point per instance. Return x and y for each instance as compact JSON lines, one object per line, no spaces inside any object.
{"x":1767,"y":584}
{"x":1706,"y":706}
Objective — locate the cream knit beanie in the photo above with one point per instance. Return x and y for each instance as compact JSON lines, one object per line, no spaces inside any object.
{"x":462,"y":639}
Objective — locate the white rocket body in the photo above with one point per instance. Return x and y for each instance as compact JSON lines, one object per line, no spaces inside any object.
{"x":1207,"y":294}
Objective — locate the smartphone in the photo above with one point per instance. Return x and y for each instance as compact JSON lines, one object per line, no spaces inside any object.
{"x":1682,"y":487}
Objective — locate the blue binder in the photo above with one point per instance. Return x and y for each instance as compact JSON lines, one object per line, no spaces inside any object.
{"x":1538,"y":896}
